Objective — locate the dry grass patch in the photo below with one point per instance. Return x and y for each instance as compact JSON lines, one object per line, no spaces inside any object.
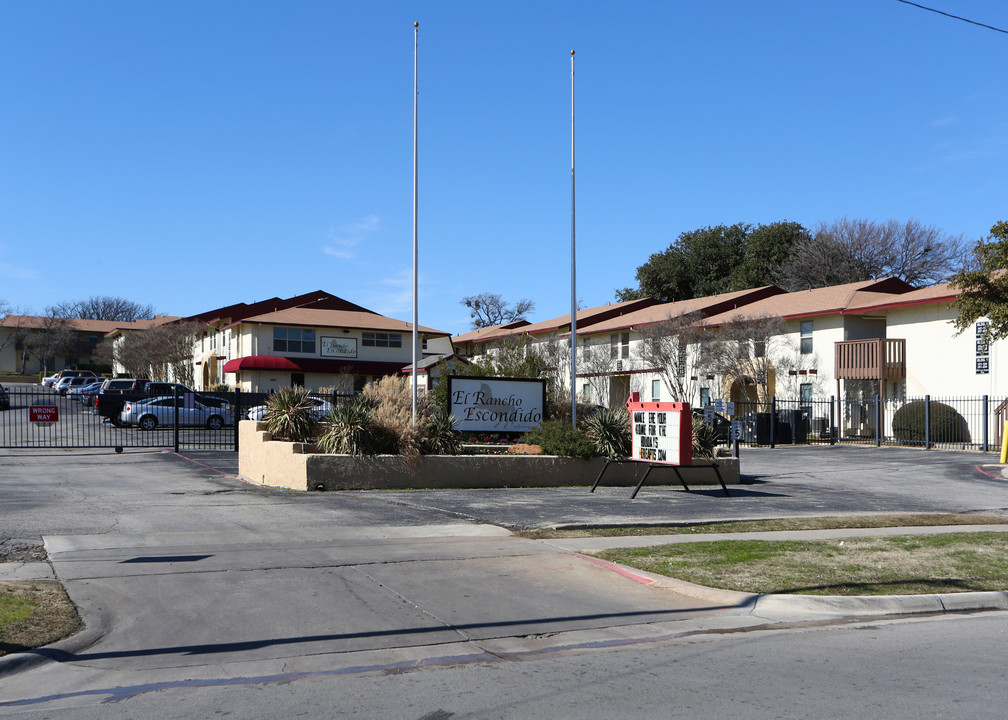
{"x":799,"y":523}
{"x":34,"y":613}
{"x":899,"y":565}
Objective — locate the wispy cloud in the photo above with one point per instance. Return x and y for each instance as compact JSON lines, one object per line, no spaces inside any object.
{"x":341,"y":243}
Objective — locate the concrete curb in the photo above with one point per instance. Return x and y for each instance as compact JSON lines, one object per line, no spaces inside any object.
{"x":789,"y":608}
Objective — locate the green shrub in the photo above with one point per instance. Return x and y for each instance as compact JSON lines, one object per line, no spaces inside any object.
{"x":947,"y":425}
{"x":557,"y":437}
{"x":349,"y":431}
{"x":610,"y":431}
{"x":289,"y":415}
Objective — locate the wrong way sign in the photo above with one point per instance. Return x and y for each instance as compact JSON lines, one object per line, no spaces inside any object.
{"x":43,"y":413}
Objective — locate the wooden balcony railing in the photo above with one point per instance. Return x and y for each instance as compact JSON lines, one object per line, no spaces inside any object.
{"x":874,"y":359}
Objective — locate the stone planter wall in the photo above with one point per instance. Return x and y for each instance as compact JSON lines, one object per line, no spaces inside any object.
{"x":294,"y":465}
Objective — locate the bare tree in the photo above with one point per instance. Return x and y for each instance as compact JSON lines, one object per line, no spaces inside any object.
{"x":162,"y":353}
{"x":851,"y":250}
{"x":595,"y":365}
{"x":675,"y":350}
{"x":488,"y":309}
{"x":52,"y":337}
{"x":745,"y":351}
{"x":104,"y":307}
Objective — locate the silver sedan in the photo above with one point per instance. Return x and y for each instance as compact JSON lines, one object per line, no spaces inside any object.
{"x":148,"y":413}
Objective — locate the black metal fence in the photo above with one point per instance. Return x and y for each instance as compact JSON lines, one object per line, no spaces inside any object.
{"x":951,"y":423}
{"x":39,"y":418}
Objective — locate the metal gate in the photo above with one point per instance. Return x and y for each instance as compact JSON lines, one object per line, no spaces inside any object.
{"x":39,"y":418}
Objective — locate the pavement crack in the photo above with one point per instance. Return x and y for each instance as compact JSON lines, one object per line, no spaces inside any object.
{"x":441,"y":621}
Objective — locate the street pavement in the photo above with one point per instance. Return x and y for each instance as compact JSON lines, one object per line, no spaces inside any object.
{"x":184,"y":573}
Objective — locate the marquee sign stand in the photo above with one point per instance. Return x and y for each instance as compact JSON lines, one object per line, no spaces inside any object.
{"x":662,"y":436}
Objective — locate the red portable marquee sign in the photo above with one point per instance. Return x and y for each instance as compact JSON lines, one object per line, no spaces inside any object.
{"x":662,"y":432}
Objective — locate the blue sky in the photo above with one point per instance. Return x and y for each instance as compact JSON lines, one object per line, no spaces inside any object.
{"x":206,"y":153}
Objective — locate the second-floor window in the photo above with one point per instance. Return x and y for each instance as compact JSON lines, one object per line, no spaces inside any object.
{"x":619,"y":346}
{"x":806,"y":337}
{"x":299,"y":340}
{"x":376,"y":339}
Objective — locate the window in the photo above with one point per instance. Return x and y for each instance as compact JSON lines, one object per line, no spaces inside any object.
{"x":681,"y":361}
{"x":619,"y":346}
{"x":704,"y":397}
{"x":374,"y":339}
{"x":586,"y":393}
{"x":805,"y":392}
{"x":298,"y":340}
{"x":586,"y":349}
{"x":806,"y":337}
{"x":759,"y":348}
{"x":655,"y":390}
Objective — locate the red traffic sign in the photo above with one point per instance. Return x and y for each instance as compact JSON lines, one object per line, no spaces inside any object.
{"x":43,"y":413}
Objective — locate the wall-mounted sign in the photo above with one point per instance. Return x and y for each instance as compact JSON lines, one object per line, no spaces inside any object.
{"x":662,"y":432}
{"x":982,"y":349}
{"x":494,"y":404}
{"x":339,"y":347}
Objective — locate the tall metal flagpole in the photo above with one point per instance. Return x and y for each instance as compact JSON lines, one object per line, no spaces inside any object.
{"x":573,"y":368}
{"x":416,"y":30}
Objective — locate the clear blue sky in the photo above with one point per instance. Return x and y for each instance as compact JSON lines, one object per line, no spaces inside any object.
{"x":206,"y":153}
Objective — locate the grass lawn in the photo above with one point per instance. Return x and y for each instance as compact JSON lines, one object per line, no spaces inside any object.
{"x":34,"y":613}
{"x":897,"y":565}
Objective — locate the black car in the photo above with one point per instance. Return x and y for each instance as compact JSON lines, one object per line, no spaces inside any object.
{"x":4,"y":399}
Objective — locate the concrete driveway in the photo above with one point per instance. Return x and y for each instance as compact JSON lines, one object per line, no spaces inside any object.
{"x":186,"y":574}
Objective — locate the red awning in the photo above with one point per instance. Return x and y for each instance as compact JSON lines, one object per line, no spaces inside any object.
{"x":331,"y":366}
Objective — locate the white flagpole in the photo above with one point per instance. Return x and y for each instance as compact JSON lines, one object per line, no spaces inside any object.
{"x":416,"y":27}
{"x":573,"y":368}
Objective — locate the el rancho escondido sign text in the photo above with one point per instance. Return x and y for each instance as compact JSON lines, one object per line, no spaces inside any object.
{"x":493,"y":404}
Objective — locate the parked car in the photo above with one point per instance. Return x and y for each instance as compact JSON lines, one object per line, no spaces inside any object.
{"x":115,"y":393}
{"x":60,"y":385}
{"x":48,"y":380}
{"x":4,"y":399}
{"x":67,"y":383}
{"x":149,"y":413}
{"x":66,"y":373}
{"x":77,"y":392}
{"x":320,"y":411}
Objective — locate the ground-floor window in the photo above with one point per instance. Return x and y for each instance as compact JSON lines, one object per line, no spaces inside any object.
{"x":655,"y":390}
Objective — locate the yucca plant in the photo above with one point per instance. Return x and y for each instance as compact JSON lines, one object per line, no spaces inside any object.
{"x":442,"y":438}
{"x":290,"y":415}
{"x":704,"y":440}
{"x":349,"y":430}
{"x":609,"y":428}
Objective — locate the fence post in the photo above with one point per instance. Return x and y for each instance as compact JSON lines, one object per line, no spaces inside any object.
{"x":176,"y":394}
{"x":878,"y":421}
{"x":986,"y":418}
{"x":773,"y":421}
{"x":832,"y":422}
{"x":927,"y":422}
{"x":237,"y":414}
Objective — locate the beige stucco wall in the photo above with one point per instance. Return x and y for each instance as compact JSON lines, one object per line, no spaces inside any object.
{"x":282,"y":464}
{"x":939,"y":362}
